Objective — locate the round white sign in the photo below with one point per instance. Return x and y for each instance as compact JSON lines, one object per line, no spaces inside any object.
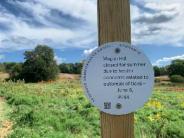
{"x":117,"y":78}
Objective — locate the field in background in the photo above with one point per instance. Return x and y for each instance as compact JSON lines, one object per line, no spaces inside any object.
{"x":60,"y":110}
{"x":3,"y":76}
{"x":163,"y":78}
{"x":65,"y":76}
{"x":62,"y":76}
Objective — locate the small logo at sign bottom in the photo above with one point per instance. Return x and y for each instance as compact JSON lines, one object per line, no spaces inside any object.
{"x":107,"y":105}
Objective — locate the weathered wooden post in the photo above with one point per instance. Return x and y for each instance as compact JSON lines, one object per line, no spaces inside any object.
{"x":114,"y":25}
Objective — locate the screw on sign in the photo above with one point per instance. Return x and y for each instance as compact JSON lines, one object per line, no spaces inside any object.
{"x":117,"y":78}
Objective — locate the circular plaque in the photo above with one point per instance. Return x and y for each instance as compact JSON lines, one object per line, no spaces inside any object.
{"x":117,"y":78}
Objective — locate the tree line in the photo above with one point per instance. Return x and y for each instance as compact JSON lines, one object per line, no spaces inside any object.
{"x":71,"y":68}
{"x":175,"y":68}
{"x":39,"y":65}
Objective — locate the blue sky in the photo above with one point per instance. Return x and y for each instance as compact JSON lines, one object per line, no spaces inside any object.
{"x":70,"y":28}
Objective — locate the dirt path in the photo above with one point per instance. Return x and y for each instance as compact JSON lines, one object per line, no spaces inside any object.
{"x":5,"y":124}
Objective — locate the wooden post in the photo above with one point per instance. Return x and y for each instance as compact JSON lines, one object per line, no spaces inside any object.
{"x":114,"y":25}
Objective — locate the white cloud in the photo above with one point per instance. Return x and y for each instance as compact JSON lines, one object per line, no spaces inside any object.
{"x":89,"y":51}
{"x":162,"y":7}
{"x":60,"y":36}
{"x":85,"y":9}
{"x":59,"y":60}
{"x":162,"y":26}
{"x":167,"y":60}
{"x":165,"y":16}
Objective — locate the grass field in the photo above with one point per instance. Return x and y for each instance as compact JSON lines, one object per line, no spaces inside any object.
{"x":5,"y":123}
{"x":60,"y":110}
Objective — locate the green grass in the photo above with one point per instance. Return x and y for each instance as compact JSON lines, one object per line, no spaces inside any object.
{"x":60,"y":110}
{"x":162,"y":116}
{"x":4,"y":111}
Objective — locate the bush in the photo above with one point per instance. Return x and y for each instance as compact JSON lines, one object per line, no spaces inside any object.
{"x":72,"y":68}
{"x":2,"y":68}
{"x":156,"y":71}
{"x":176,"y":68}
{"x":39,"y":65}
{"x":9,"y":65}
{"x":177,"y":78}
{"x":160,"y":71}
{"x":15,"y":71}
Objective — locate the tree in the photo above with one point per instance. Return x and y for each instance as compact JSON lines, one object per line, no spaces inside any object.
{"x":39,"y":65}
{"x":176,"y":68}
{"x":163,"y":71}
{"x":15,"y":71}
{"x":65,"y":68}
{"x":2,"y":67}
{"x":156,"y":71}
{"x":78,"y":68}
{"x":9,"y":66}
{"x":73,"y":68}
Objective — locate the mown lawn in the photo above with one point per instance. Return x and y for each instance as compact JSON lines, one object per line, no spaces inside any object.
{"x":60,"y":110}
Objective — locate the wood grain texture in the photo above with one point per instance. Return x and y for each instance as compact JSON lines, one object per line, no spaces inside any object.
{"x":114,"y":21}
{"x":114,"y":25}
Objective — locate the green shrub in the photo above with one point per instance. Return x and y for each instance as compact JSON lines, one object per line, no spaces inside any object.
{"x":39,"y":65}
{"x":60,"y":110}
{"x":176,"y":67}
{"x":2,"y":68}
{"x":177,"y":78}
{"x":73,"y":68}
{"x":15,"y":71}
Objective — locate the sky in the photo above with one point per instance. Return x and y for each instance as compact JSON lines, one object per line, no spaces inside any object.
{"x":70,"y":28}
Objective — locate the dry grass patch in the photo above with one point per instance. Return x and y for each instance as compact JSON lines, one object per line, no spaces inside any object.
{"x":3,"y":76}
{"x":65,"y":76}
